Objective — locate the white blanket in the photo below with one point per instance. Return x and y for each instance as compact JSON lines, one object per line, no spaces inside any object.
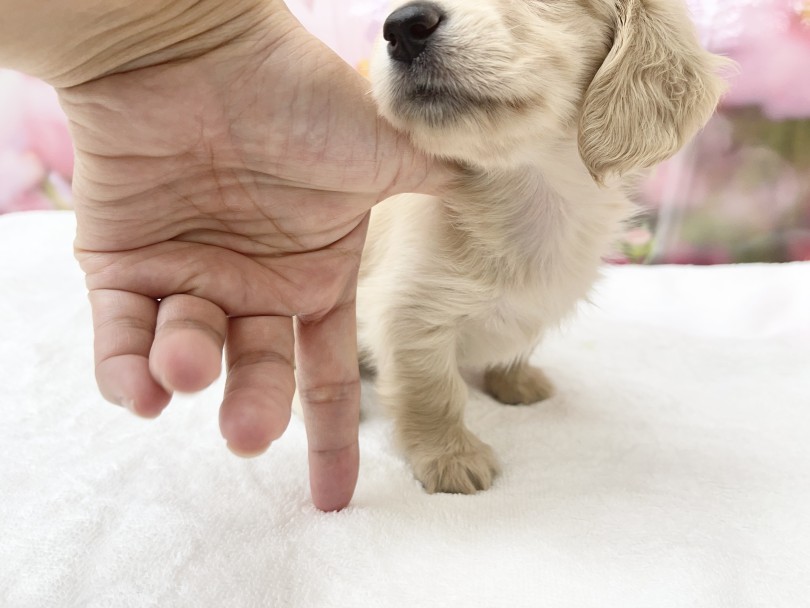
{"x":672,"y":469}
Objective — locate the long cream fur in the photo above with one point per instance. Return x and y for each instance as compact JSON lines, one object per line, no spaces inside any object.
{"x":544,"y":107}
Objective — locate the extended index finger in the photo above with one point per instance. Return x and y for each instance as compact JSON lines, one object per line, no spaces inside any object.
{"x":329,"y":388}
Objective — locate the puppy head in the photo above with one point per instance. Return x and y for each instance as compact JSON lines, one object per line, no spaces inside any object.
{"x":493,"y":77}
{"x":492,"y":82}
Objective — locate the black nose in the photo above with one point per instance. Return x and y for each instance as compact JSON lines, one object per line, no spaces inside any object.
{"x":409,"y":28}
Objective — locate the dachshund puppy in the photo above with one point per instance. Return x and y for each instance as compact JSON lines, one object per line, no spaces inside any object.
{"x":547,"y":109}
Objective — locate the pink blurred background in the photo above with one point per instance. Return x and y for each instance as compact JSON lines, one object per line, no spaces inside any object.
{"x":36,"y":155}
{"x":739,"y":193}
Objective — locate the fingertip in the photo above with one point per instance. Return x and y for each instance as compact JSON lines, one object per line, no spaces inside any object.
{"x":150,"y":404}
{"x":185,"y":361}
{"x":333,"y":478}
{"x":186,"y":354}
{"x":248,"y":425}
{"x":126,"y":381}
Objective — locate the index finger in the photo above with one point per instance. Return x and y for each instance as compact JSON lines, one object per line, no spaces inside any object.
{"x":329,"y":389}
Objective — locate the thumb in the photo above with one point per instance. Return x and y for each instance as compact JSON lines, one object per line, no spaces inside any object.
{"x":402,"y":168}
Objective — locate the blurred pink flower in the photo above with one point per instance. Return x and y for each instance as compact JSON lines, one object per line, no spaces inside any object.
{"x":770,"y":40}
{"x":32,"y":200}
{"x":349,"y":28}
{"x":683,"y":181}
{"x":35,"y":147}
{"x":798,"y":244}
{"x":685,"y":253}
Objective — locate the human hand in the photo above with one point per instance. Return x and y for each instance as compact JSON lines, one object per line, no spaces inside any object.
{"x":217,"y":197}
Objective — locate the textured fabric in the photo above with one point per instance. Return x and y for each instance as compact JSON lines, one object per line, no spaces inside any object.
{"x":671,"y":470}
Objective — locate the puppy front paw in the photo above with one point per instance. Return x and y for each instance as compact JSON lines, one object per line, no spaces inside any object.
{"x":467,"y":468}
{"x":519,"y":384}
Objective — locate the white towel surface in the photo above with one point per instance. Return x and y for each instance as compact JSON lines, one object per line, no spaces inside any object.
{"x":671,"y":470}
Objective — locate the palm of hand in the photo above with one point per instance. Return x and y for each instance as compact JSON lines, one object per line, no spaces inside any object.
{"x":216,"y":199}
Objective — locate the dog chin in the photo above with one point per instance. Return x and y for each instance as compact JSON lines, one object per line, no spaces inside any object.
{"x":455,"y":125}
{"x":443,"y":107}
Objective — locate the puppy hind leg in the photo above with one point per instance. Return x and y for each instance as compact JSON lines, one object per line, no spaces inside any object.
{"x":518,"y":383}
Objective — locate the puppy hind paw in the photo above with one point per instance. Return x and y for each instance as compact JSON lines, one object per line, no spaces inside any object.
{"x":518,"y":385}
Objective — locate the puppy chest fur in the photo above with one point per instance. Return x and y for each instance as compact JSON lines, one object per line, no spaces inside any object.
{"x":537,"y":104}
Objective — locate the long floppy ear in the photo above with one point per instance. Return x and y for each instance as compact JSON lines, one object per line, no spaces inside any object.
{"x":655,"y":89}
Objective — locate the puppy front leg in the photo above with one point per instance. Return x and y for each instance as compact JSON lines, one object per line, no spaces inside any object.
{"x":426,"y":394}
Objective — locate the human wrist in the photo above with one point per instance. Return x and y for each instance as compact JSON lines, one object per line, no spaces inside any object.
{"x":81,"y":40}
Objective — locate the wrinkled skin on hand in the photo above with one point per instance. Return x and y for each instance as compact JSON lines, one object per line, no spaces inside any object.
{"x":222,"y":201}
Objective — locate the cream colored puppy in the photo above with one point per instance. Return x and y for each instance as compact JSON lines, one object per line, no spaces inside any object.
{"x":544,"y":106}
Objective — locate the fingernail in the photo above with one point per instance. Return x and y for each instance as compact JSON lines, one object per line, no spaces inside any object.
{"x":245,"y":454}
{"x":129,"y":404}
{"x":167,"y":386}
